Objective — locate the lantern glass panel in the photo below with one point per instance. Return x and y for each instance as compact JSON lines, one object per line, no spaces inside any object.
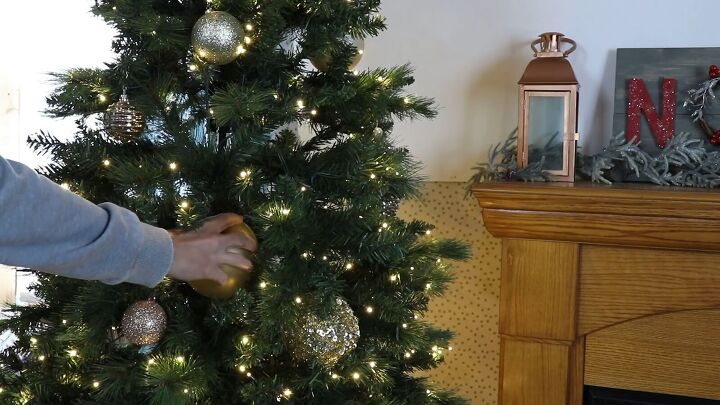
{"x":546,"y":129}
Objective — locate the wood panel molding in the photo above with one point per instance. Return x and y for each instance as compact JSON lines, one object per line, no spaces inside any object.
{"x":666,"y":354}
{"x":606,"y":285}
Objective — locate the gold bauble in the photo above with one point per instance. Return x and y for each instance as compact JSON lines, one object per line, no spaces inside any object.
{"x":144,"y":322}
{"x":217,"y":38}
{"x":237,"y":277}
{"x":323,"y":61}
{"x":325,"y":340}
{"x":123,"y":122}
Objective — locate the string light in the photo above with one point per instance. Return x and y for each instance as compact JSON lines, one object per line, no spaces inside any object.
{"x":102,"y":98}
{"x":248,"y":40}
{"x":408,"y":355}
{"x":184,"y":205}
{"x":349,"y":266}
{"x":33,"y":340}
{"x":106,"y":162}
{"x":404,"y":326}
{"x":300,"y":104}
{"x":406,"y":100}
{"x":185,"y":391}
{"x":245,"y":174}
{"x":313,"y":112}
{"x":180,"y":359}
{"x":305,"y":255}
{"x":241,"y":49}
{"x":66,"y":186}
{"x":263,"y":285}
{"x":369,"y":309}
{"x":325,"y":258}
{"x":193,"y":67}
{"x":64,"y":321}
{"x":96,"y":384}
{"x":385,"y":225}
{"x":373,"y":176}
{"x":428,"y":232}
{"x":287,"y":392}
{"x":428,"y":286}
{"x":298,"y":300}
{"x":249,"y":27}
{"x":245,"y":340}
{"x":243,"y":369}
{"x":285,"y":211}
{"x":42,"y":358}
{"x":303,"y":189}
{"x":356,"y":376}
{"x":151,"y":362}
{"x":72,"y":353}
{"x":393,"y":277}
{"x":373,"y":364}
{"x":173,"y":166}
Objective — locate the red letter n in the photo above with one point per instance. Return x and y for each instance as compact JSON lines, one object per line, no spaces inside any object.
{"x":639,"y":102}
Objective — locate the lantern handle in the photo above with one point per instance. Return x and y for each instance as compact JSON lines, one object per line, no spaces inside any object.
{"x":572,"y":48}
{"x":561,"y":38}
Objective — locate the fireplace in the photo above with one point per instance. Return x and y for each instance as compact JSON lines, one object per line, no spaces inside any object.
{"x":609,"y":396}
{"x":607,"y":286}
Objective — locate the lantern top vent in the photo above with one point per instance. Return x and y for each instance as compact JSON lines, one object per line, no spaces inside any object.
{"x":550,"y":66}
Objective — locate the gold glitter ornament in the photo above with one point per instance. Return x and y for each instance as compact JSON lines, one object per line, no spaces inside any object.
{"x":325,"y":340}
{"x":217,"y":38}
{"x":144,"y":322}
{"x":123,"y":121}
{"x":323,"y":61}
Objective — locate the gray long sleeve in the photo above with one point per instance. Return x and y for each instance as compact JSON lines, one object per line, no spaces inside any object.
{"x":47,"y":228}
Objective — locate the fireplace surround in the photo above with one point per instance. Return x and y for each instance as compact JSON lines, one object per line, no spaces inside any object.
{"x":606,"y":286}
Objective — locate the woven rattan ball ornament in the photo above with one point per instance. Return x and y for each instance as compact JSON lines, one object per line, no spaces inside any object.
{"x":217,"y":38}
{"x":144,"y":323}
{"x":123,"y":122}
{"x":325,"y":340}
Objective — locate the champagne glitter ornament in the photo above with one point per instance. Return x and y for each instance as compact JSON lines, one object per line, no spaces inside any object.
{"x":325,"y":340}
{"x":144,"y":322}
{"x":323,"y":61}
{"x":123,"y":122}
{"x":217,"y":38}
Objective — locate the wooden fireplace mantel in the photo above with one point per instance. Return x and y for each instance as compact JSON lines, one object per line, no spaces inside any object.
{"x":613,"y":286}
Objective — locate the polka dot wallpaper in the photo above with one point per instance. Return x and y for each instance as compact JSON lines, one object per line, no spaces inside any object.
{"x":470,"y":306}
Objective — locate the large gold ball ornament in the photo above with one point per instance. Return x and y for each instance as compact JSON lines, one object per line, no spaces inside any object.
{"x":325,"y":340}
{"x":323,"y":61}
{"x":237,"y":277}
{"x":144,"y":323}
{"x":123,"y":122}
{"x":217,"y":38}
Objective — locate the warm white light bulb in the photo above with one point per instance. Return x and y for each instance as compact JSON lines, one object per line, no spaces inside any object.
{"x":373,"y":364}
{"x":102,"y":98}
{"x":42,"y":358}
{"x":286,"y":211}
{"x":173,"y":166}
{"x":184,"y":205}
{"x":180,"y":359}
{"x":72,"y":353}
{"x":66,"y":186}
{"x":245,"y":340}
{"x":106,"y":162}
{"x":393,"y":277}
{"x":356,"y":376}
{"x":96,"y":384}
{"x":287,"y":392}
{"x":249,"y":27}
{"x":404,"y":326}
{"x":373,"y":176}
{"x":298,"y":300}
{"x":243,"y":369}
{"x":369,"y":310}
{"x":385,"y":225}
{"x":349,"y":266}
{"x":263,"y":285}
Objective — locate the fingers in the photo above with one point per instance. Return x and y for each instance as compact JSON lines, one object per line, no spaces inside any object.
{"x":236,"y":260}
{"x":238,"y":241}
{"x":216,"y":275}
{"x":221,"y":222}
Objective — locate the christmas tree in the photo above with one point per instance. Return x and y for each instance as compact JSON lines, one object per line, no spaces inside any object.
{"x":199,"y":114}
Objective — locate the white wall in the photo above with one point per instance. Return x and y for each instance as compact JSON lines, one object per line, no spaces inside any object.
{"x":468,"y":54}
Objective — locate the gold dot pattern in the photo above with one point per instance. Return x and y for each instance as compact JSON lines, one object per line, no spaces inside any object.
{"x":470,"y":306}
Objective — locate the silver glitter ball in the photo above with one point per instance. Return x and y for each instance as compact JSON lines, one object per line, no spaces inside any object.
{"x":217,"y":38}
{"x":123,"y":121}
{"x":144,"y":322}
{"x":325,"y":340}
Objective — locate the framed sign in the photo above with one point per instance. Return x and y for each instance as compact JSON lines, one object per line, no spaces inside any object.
{"x":651,"y":86}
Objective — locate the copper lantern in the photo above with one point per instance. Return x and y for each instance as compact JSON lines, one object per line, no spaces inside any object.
{"x":547,"y":132}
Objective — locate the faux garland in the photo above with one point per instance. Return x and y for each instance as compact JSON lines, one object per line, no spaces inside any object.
{"x":699,"y":98}
{"x":683,"y":162}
